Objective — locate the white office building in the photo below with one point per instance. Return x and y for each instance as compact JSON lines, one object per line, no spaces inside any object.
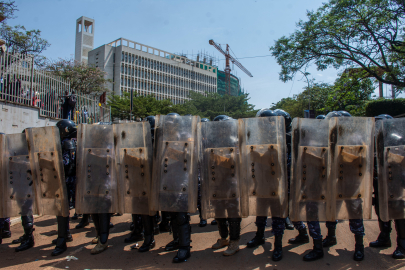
{"x":150,"y":71}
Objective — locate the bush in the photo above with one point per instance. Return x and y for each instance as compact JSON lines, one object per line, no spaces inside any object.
{"x":385,"y":106}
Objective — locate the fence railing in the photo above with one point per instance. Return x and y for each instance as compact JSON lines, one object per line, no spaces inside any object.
{"x":22,"y":84}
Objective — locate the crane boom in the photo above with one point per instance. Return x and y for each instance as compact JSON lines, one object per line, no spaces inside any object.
{"x":228,"y":58}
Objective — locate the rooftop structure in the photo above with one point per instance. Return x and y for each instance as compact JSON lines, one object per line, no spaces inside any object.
{"x":84,"y":38}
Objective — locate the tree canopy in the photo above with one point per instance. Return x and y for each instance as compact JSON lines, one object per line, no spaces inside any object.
{"x":83,"y":78}
{"x":208,"y":106}
{"x":366,"y":34}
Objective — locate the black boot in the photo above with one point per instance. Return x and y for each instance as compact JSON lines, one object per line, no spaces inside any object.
{"x":17,"y":241}
{"x":183,"y":223}
{"x":6,"y":231}
{"x":359,"y":248}
{"x":384,"y":238}
{"x":63,"y":223}
{"x":258,"y":239}
{"x":75,"y":216}
{"x":156,"y":218}
{"x":330,"y":239}
{"x":173,"y":245}
{"x":203,"y":222}
{"x":278,"y":248}
{"x":1,"y":236}
{"x":316,"y":253}
{"x":27,"y":240}
{"x":214,"y":222}
{"x":288,"y":224}
{"x":399,"y":252}
{"x":301,"y":238}
{"x":149,"y":242}
{"x":136,"y":233}
{"x":164,"y":225}
{"x":83,"y":222}
{"x":69,"y":238}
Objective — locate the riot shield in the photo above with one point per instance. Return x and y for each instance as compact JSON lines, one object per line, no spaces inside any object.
{"x":96,"y":187}
{"x":45,"y":154}
{"x":351,"y":166}
{"x":309,"y":194}
{"x":17,"y":194}
{"x":264,"y":165}
{"x":223,"y":192}
{"x":390,"y":142}
{"x":175,"y":173}
{"x":134,"y":166}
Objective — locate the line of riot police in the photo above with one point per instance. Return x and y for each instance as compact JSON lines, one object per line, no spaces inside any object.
{"x":310,"y":170}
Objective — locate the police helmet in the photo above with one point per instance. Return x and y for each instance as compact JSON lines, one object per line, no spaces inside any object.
{"x":260,"y":111}
{"x":345,"y":114}
{"x":67,"y":128}
{"x":333,"y":114}
{"x":267,"y":113}
{"x":222,"y":118}
{"x":151,"y":120}
{"x":205,"y":120}
{"x":383,"y":117}
{"x":321,"y":116}
{"x":173,"y":113}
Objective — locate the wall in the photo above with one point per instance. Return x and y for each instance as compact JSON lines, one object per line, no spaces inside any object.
{"x":15,"y":118}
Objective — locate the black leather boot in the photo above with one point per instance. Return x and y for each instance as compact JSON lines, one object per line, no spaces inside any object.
{"x":399,"y":252}
{"x":156,"y":219}
{"x":149,"y":242}
{"x":164,"y":225}
{"x":330,"y":239}
{"x":258,"y":239}
{"x":17,"y":241}
{"x":214,"y":222}
{"x":316,"y":253}
{"x":27,"y":240}
{"x":278,"y":248}
{"x":301,"y":238}
{"x":203,"y":222}
{"x":184,"y":238}
{"x":1,"y":236}
{"x":288,"y":224}
{"x":83,"y":222}
{"x":136,"y":233}
{"x":173,"y":245}
{"x":6,"y":230}
{"x":359,"y":248}
{"x":63,"y":223}
{"x":69,"y":238}
{"x":384,"y":238}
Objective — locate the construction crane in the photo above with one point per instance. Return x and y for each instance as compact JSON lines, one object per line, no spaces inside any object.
{"x":229,"y":58}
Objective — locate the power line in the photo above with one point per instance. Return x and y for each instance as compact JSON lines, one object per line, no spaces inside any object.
{"x":249,"y":57}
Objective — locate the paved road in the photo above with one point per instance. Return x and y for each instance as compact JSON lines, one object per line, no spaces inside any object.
{"x":120,"y":256}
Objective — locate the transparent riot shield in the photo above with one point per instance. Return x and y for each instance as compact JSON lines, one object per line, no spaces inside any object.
{"x":351,"y":166}
{"x":390,"y":142}
{"x":16,"y":184}
{"x":264,"y":165}
{"x":309,"y":194}
{"x":45,"y":154}
{"x":134,"y":166}
{"x":96,"y":187}
{"x":175,"y":172}
{"x":223,"y":192}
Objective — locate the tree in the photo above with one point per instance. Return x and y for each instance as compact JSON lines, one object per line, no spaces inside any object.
{"x":7,"y":9}
{"x":366,"y":34}
{"x":83,"y":78}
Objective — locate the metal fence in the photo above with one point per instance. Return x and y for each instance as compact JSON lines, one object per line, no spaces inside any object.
{"x":22,"y":84}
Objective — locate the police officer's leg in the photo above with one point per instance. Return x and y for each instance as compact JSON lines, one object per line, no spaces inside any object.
{"x":164,"y":225}
{"x":63,"y":225}
{"x":357,"y":228}
{"x":261,"y":223}
{"x":83,"y":222}
{"x":317,"y":251}
{"x":330,"y":239}
{"x":384,"y":238}
{"x":203,"y":222}
{"x":1,"y":229}
{"x":149,"y":242}
{"x":223,"y":233}
{"x":399,"y":252}
{"x":302,"y":236}
{"x":27,"y":240}
{"x":96,"y":222}
{"x":68,"y":236}
{"x":173,"y":245}
{"x":234,"y":236}
{"x":183,"y":223}
{"x":137,"y":228}
{"x":6,"y":228}
{"x":278,"y":226}
{"x":104,"y":229}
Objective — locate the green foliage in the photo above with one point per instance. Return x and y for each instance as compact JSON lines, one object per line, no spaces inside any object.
{"x":385,"y":106}
{"x":205,"y":106}
{"x":83,"y":78}
{"x":366,"y":34}
{"x":7,"y":9}
{"x":348,"y":93}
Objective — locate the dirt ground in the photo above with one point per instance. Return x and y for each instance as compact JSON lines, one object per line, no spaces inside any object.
{"x":120,"y":256}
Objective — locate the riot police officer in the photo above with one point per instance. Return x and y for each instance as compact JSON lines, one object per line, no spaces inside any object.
{"x":203,"y":222}
{"x":356,"y":226}
{"x":68,"y":134}
{"x":384,"y":238}
{"x":4,"y":226}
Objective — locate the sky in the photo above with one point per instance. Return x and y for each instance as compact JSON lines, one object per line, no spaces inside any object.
{"x":250,"y":27}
